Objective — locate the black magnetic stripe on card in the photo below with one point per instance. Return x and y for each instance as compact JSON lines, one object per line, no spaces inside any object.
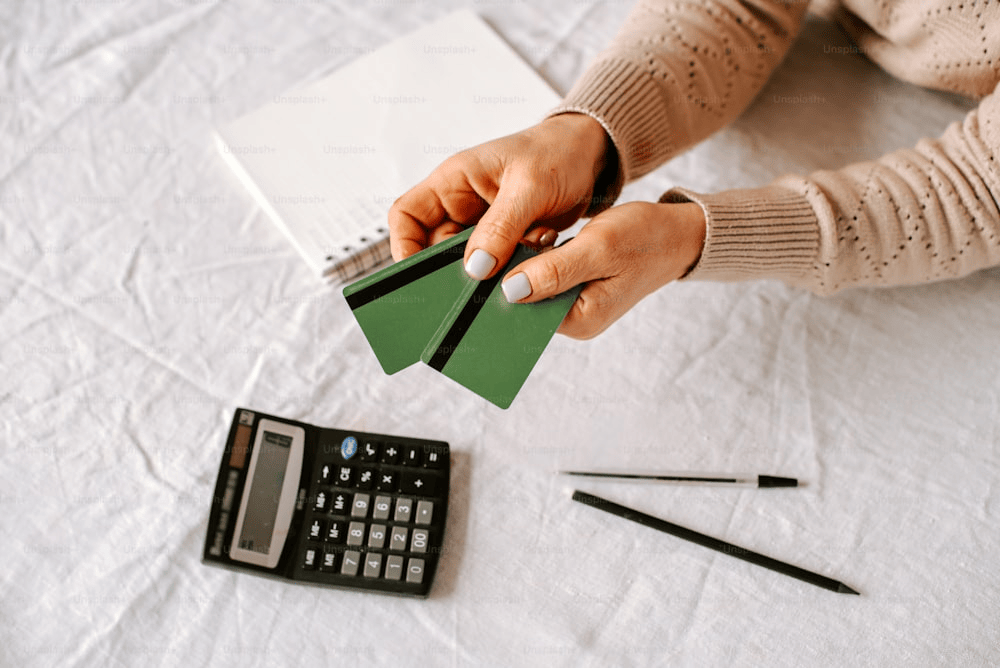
{"x":453,"y":337}
{"x":406,"y":276}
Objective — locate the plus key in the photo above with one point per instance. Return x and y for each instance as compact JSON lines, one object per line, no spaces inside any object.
{"x":417,"y":482}
{"x":390,"y":454}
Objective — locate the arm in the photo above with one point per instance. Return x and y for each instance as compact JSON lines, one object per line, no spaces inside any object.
{"x":675,"y":73}
{"x":925,"y":214}
{"x":918,"y":215}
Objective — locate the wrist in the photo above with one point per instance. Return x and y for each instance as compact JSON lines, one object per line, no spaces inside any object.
{"x":589,"y":137}
{"x":688,"y":229}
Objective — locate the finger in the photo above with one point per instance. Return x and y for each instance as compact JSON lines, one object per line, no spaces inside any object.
{"x":540,"y":238}
{"x":444,"y":231}
{"x":410,"y":219}
{"x":581,"y":259}
{"x":594,"y":310}
{"x":422,"y":218}
{"x":516,"y":206}
{"x":443,"y":198}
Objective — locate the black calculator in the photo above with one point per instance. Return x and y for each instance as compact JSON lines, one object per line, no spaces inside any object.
{"x":329,"y":506}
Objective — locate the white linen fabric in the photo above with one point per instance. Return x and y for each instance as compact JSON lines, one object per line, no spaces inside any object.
{"x":144,"y":296}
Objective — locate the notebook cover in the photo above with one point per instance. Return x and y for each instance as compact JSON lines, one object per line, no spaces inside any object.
{"x":327,"y":159}
{"x":401,"y":307}
{"x":489,"y":345}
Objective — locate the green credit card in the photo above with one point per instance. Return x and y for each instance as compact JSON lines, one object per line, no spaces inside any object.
{"x":427,"y":308}
{"x":488,"y":344}
{"x":401,"y":307}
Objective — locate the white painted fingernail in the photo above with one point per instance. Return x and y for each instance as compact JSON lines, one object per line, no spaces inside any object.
{"x":480,"y":263}
{"x":516,"y":288}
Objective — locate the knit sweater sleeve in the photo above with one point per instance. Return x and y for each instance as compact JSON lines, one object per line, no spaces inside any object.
{"x":677,"y":71}
{"x":918,"y":215}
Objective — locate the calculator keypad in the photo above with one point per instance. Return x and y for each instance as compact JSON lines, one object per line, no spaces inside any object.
{"x":378,"y":517}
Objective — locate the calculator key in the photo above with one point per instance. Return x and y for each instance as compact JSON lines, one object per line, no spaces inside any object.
{"x":322,"y":499}
{"x":370,"y":451}
{"x":387,"y":481}
{"x":366,"y":478}
{"x":415,"y":571}
{"x":360,"y":507}
{"x":382,"y":506}
{"x":417,"y":482}
{"x":345,"y":476}
{"x":394,"y":567}
{"x":335,"y":532}
{"x":425,"y":511}
{"x":356,"y":534}
{"x":419,"y":540}
{"x":316,"y":530}
{"x":339,"y":503}
{"x":329,"y":562}
{"x":434,"y":457}
{"x":397,"y":541}
{"x":390,"y":454}
{"x":376,"y":536}
{"x":325,"y":474}
{"x":349,"y":566}
{"x":413,"y":455}
{"x":348,"y":447}
{"x":373,"y":565}
{"x":310,"y":558}
{"x":403,"y":509}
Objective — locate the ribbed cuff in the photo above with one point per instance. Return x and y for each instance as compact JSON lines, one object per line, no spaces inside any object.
{"x":769,"y":232}
{"x":625,"y":100}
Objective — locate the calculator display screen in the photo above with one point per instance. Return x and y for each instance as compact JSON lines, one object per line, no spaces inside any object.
{"x":266,"y":486}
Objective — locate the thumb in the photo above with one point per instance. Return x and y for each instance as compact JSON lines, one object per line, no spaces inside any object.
{"x":515,"y":208}
{"x":553,"y":272}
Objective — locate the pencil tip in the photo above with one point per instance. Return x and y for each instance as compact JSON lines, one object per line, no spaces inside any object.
{"x":844,"y":589}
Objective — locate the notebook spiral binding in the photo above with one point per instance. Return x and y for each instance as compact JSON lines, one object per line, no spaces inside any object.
{"x":358,"y":262}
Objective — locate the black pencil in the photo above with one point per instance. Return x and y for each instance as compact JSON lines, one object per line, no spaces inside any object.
{"x":712,"y":543}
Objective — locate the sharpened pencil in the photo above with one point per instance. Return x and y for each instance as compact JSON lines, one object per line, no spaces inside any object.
{"x":712,"y":543}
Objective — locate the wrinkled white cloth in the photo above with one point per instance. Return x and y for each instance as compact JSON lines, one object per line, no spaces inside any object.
{"x":144,"y":296}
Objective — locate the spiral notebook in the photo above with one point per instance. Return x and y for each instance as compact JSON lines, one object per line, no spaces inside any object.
{"x":326,"y":161}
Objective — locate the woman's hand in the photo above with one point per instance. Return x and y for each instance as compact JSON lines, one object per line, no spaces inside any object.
{"x":527,"y":185}
{"x":623,"y":254}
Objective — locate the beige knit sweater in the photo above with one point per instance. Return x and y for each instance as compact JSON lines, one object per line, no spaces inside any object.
{"x":679,"y":70}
